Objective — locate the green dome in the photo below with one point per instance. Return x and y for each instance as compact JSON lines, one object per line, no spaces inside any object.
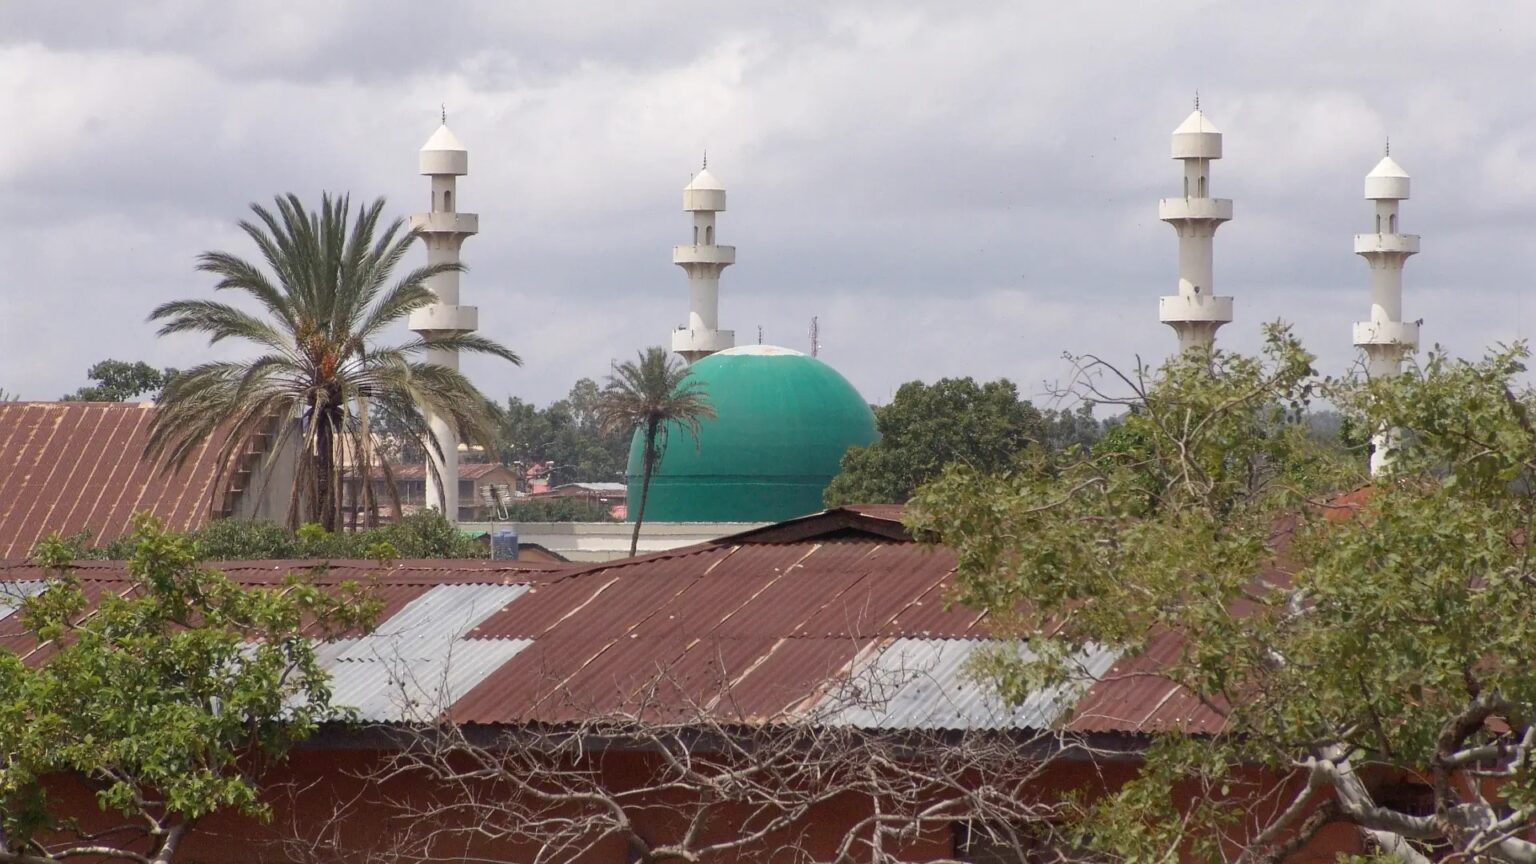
{"x":783,"y":422}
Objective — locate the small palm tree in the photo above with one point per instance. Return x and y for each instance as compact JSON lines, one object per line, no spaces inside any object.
{"x":327,"y":296}
{"x":654,"y":395}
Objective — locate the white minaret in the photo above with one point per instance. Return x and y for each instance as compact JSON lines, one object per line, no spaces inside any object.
{"x":1195,"y":312}
{"x":444,"y":230}
{"x":703,"y":260}
{"x":1386,"y":338}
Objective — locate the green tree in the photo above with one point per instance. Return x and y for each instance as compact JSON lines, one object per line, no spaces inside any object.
{"x":1062,"y":429}
{"x":566,"y":432}
{"x":928,"y":426}
{"x":167,"y":702}
{"x":120,"y":381}
{"x":420,"y":535}
{"x":1374,"y":651}
{"x":328,"y":299}
{"x":654,"y":395}
{"x":572,"y":509}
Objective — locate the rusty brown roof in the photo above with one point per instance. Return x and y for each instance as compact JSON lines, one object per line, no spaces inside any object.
{"x":749,"y":629}
{"x":73,"y":466}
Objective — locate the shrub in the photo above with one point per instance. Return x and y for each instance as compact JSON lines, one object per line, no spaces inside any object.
{"x":426,"y":535}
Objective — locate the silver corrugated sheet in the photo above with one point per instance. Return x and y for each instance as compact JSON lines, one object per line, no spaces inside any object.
{"x":426,"y":626}
{"x":415,"y":664}
{"x":927,"y":684}
{"x":386,"y":690}
{"x":12,"y":593}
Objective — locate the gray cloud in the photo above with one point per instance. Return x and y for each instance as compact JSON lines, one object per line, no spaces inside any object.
{"x":952,"y":191}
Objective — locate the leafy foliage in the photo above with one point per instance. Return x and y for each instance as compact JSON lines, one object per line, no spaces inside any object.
{"x":423,"y":535}
{"x":953,"y":421}
{"x":567,"y":433}
{"x":573,"y":509}
{"x":166,"y":702}
{"x":1367,"y":649}
{"x":654,"y":394}
{"x":328,"y":299}
{"x":120,"y":381}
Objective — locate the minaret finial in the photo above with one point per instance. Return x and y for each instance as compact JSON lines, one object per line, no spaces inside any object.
{"x":705,"y":166}
{"x":1197,"y":100}
{"x":1387,"y":150}
{"x":445,"y":113}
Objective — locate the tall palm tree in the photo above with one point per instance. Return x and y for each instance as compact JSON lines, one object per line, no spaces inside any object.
{"x":655,"y":395}
{"x":327,"y":295}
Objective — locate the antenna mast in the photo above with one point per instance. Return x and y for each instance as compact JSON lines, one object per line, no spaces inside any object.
{"x":815,"y":336}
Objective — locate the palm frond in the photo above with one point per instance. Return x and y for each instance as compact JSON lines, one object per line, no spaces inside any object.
{"x":328,"y":293}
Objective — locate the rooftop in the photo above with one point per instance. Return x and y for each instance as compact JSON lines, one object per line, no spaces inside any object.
{"x":1196,"y":123}
{"x":443,"y":139}
{"x":78,"y":466}
{"x":783,"y":621}
{"x":1387,"y":167}
{"x":705,"y":181}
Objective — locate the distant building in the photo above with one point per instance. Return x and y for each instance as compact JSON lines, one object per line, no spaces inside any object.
{"x":479,"y":486}
{"x":610,"y":495}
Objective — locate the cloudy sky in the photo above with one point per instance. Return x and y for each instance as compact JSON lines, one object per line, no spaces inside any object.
{"x":953,"y":189}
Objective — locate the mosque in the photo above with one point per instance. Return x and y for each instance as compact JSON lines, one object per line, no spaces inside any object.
{"x":785,"y":419}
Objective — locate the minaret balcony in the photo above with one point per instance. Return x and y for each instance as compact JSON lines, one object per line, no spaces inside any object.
{"x":699,"y":254}
{"x":441,"y":222}
{"x":442,"y":316}
{"x":1182,"y":307}
{"x":1401,"y":333}
{"x":1401,"y":244}
{"x":697,"y":342}
{"x":1206,"y":209}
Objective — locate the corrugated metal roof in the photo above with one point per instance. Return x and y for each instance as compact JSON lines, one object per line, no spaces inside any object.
{"x":425,"y":573}
{"x":427,"y":626}
{"x":386,"y":689}
{"x":73,"y":466}
{"x":751,"y":631}
{"x":1133,"y":695}
{"x":416,"y":664}
{"x":928,"y":684}
{"x":13,"y":593}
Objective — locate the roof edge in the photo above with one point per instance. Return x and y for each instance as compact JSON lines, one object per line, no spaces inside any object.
{"x":881,"y":521}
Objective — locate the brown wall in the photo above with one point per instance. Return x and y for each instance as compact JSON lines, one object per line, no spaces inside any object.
{"x":329,"y":807}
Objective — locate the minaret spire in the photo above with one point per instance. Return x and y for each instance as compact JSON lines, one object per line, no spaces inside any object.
{"x":1195,"y":312}
{"x":444,"y":230}
{"x":703,"y":260}
{"x":1386,"y":338}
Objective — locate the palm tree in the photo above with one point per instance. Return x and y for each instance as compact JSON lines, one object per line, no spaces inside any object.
{"x":327,"y":296}
{"x":653,"y":395}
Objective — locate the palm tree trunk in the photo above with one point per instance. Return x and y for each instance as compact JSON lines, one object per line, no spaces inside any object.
{"x":325,"y":470}
{"x":647,"y":464}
